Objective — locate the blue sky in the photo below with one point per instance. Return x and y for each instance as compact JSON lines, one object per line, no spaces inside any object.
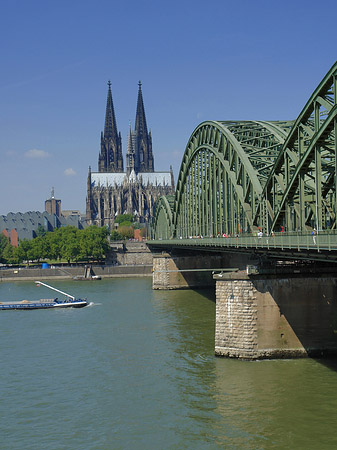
{"x":197,"y":60}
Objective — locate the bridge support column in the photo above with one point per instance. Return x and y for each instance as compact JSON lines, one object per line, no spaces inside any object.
{"x":162,"y":263}
{"x":275,"y":317}
{"x":185,"y":270}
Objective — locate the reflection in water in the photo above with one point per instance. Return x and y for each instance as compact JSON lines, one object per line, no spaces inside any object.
{"x":138,"y":371}
{"x":281,"y":404}
{"x":277,"y":404}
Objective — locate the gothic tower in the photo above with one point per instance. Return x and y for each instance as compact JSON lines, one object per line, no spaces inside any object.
{"x":111,"y":191}
{"x":110,"y":158}
{"x":142,"y":139}
{"x":130,"y":156}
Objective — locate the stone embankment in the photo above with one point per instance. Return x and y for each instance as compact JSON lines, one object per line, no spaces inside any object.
{"x":129,"y":253}
{"x":68,"y":272}
{"x":131,"y":259}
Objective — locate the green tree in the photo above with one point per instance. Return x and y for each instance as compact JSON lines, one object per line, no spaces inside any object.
{"x":69,"y":243}
{"x":11,"y":254}
{"x":54,"y":241}
{"x":34,"y":251}
{"x":20,"y":254}
{"x":94,"y":243}
{"x":115,"y":236}
{"x":127,"y":232}
{"x":8,"y":253}
{"x":124,"y":220}
{"x":41,"y":247}
{"x":3,"y":243}
{"x":25,"y":247}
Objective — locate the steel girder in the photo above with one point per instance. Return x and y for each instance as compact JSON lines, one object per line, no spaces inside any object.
{"x":163,"y":217}
{"x":222,"y":174}
{"x":240,"y":176}
{"x":300,"y":192}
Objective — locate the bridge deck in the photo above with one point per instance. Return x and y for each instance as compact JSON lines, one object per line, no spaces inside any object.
{"x":322,"y":247}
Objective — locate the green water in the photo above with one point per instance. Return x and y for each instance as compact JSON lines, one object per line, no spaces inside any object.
{"x":136,"y":370}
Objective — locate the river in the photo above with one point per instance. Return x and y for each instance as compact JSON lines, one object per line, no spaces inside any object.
{"x":136,"y":370}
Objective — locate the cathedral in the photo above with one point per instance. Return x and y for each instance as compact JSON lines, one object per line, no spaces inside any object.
{"x":113,"y":190}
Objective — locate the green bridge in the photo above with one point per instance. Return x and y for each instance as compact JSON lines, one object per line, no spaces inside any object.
{"x":266,"y":191}
{"x":322,"y":247}
{"x":241,"y":179}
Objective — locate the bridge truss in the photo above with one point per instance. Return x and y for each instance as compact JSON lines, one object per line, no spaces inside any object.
{"x":239,"y":177}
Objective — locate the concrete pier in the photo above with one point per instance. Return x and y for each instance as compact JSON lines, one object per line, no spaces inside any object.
{"x":190,"y":270}
{"x":181,"y":272}
{"x":277,"y":316}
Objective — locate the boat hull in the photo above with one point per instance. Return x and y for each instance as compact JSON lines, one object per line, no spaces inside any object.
{"x":43,"y":305}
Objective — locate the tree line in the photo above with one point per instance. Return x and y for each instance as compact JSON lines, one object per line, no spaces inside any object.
{"x":68,"y":243}
{"x":65,"y":244}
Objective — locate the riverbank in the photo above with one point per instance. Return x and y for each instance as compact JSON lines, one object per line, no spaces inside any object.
{"x":69,"y":272}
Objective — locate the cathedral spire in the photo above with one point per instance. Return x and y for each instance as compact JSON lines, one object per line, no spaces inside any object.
{"x":143,"y":140}
{"x":110,"y":158}
{"x":140,"y":126}
{"x":110,"y":126}
{"x":130,"y":156}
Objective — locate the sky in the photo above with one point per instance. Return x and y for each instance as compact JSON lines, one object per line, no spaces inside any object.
{"x":197,"y":61}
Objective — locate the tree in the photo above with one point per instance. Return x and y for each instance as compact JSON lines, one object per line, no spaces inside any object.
{"x":115,"y":236}
{"x":40,"y":247}
{"x":94,"y":243}
{"x":122,"y":218}
{"x":34,"y":252}
{"x":11,"y":254}
{"x":70,"y":243}
{"x":25,"y":250}
{"x":8,"y":253}
{"x":20,"y":254}
{"x":25,"y":247}
{"x":3,"y":243}
{"x":126,"y":232}
{"x":67,"y":243}
{"x":54,"y":240}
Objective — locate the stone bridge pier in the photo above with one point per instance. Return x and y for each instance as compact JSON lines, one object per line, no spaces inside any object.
{"x":187,"y":269}
{"x":258,"y":315}
{"x":275,"y":316}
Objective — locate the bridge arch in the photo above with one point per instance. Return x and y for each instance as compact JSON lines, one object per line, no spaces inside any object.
{"x":300,"y":192}
{"x":222,"y":176}
{"x":163,"y":217}
{"x":241,"y":176}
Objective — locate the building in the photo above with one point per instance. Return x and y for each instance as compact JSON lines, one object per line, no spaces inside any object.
{"x":71,"y":212}
{"x":19,"y":226}
{"x":113,"y":190}
{"x":53,"y":205}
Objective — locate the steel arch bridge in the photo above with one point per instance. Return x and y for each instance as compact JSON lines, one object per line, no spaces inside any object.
{"x":238,"y":177}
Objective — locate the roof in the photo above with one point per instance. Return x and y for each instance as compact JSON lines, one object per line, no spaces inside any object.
{"x":27,"y":223}
{"x":118,"y":178}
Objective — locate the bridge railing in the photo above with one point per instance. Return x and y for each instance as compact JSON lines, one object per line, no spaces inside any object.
{"x":326,"y":241}
{"x":285,"y":241}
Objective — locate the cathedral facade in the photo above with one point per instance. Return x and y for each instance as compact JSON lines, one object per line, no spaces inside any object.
{"x":113,"y":190}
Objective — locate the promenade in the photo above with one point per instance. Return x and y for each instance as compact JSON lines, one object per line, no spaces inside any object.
{"x":69,"y":272}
